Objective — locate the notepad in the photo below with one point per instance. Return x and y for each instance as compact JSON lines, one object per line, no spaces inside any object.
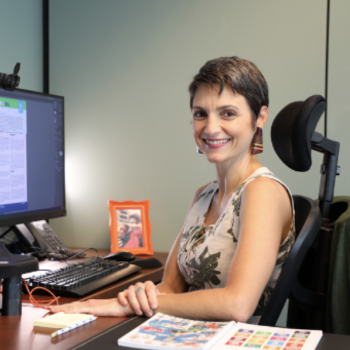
{"x":61,"y":320}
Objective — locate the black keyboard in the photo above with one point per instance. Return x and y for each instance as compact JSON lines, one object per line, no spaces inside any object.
{"x":82,"y":278}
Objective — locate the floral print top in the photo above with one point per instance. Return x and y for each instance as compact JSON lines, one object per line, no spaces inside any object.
{"x":205,"y":253}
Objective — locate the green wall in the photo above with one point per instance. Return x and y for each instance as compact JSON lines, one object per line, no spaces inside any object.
{"x":124,"y":68}
{"x":339,"y":88}
{"x":21,"y":41}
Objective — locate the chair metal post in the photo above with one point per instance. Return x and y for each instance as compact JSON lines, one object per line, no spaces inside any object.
{"x":329,"y":171}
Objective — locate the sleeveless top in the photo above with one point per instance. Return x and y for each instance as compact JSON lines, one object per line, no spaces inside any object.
{"x":205,"y":253}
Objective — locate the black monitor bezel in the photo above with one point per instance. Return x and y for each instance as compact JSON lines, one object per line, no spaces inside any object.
{"x":44,"y":214}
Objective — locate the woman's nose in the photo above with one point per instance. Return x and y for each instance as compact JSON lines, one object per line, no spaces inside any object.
{"x":212,"y":125}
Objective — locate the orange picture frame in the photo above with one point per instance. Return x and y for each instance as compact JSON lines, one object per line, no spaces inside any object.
{"x":130,"y":227}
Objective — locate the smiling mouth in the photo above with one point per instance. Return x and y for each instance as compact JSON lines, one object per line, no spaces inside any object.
{"x":216,"y":142}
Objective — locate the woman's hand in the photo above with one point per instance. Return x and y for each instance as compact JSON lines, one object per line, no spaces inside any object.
{"x":141,"y":297}
{"x":97,"y":307}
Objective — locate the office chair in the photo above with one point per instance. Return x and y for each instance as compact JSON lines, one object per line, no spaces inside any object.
{"x":305,"y":274}
{"x":338,"y":292}
{"x":307,"y":225}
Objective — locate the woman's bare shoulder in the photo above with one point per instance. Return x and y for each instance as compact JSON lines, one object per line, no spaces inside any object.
{"x":266,"y":197}
{"x":264,"y":184}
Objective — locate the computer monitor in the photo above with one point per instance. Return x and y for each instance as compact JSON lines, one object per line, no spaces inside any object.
{"x":32,"y":183}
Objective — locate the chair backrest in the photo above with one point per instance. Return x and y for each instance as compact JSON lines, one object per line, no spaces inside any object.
{"x":293,"y":137}
{"x":307,"y":224}
{"x":292,"y":129}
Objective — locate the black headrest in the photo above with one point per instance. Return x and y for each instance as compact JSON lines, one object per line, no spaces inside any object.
{"x":292,"y":130}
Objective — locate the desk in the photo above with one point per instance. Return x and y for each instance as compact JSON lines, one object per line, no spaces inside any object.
{"x":17,"y":332}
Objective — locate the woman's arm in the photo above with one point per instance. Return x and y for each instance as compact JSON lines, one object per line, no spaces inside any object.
{"x":97,"y":307}
{"x":143,"y":296}
{"x":266,"y":216}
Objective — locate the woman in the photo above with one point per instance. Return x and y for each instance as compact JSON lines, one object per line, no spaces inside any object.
{"x":123,"y":235}
{"x":135,"y":233}
{"x":239,"y":229}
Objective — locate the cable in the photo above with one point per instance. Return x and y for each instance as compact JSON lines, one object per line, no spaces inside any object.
{"x":63,"y":254}
{"x":38,"y":250}
{"x":43,"y":305}
{"x":83,"y":251}
{"x":67,"y":254}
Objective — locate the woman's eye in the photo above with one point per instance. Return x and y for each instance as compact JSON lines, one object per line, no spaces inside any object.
{"x":229,"y":114}
{"x":199,"y":114}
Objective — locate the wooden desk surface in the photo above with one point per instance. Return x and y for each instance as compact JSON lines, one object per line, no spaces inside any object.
{"x":18,"y":333}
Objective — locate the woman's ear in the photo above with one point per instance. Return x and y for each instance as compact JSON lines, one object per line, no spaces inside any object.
{"x":263,"y":115}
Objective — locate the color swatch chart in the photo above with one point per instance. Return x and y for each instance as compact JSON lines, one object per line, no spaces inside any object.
{"x":248,"y":338}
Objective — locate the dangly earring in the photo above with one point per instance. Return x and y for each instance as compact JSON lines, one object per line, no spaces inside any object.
{"x":258,"y":142}
{"x":199,"y":151}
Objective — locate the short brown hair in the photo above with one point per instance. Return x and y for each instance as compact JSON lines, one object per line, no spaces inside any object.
{"x":136,"y":217}
{"x":241,"y":75}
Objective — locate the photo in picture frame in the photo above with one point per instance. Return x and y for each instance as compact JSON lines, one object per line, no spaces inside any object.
{"x":130,"y":227}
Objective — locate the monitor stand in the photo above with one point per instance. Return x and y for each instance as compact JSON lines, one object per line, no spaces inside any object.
{"x":12,"y":283}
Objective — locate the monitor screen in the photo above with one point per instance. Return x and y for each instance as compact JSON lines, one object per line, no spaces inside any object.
{"x":32,"y":185}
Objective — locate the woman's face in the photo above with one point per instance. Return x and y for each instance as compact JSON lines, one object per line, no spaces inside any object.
{"x":122,"y":230}
{"x":133,"y":221}
{"x":135,"y":225}
{"x":223,"y":125}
